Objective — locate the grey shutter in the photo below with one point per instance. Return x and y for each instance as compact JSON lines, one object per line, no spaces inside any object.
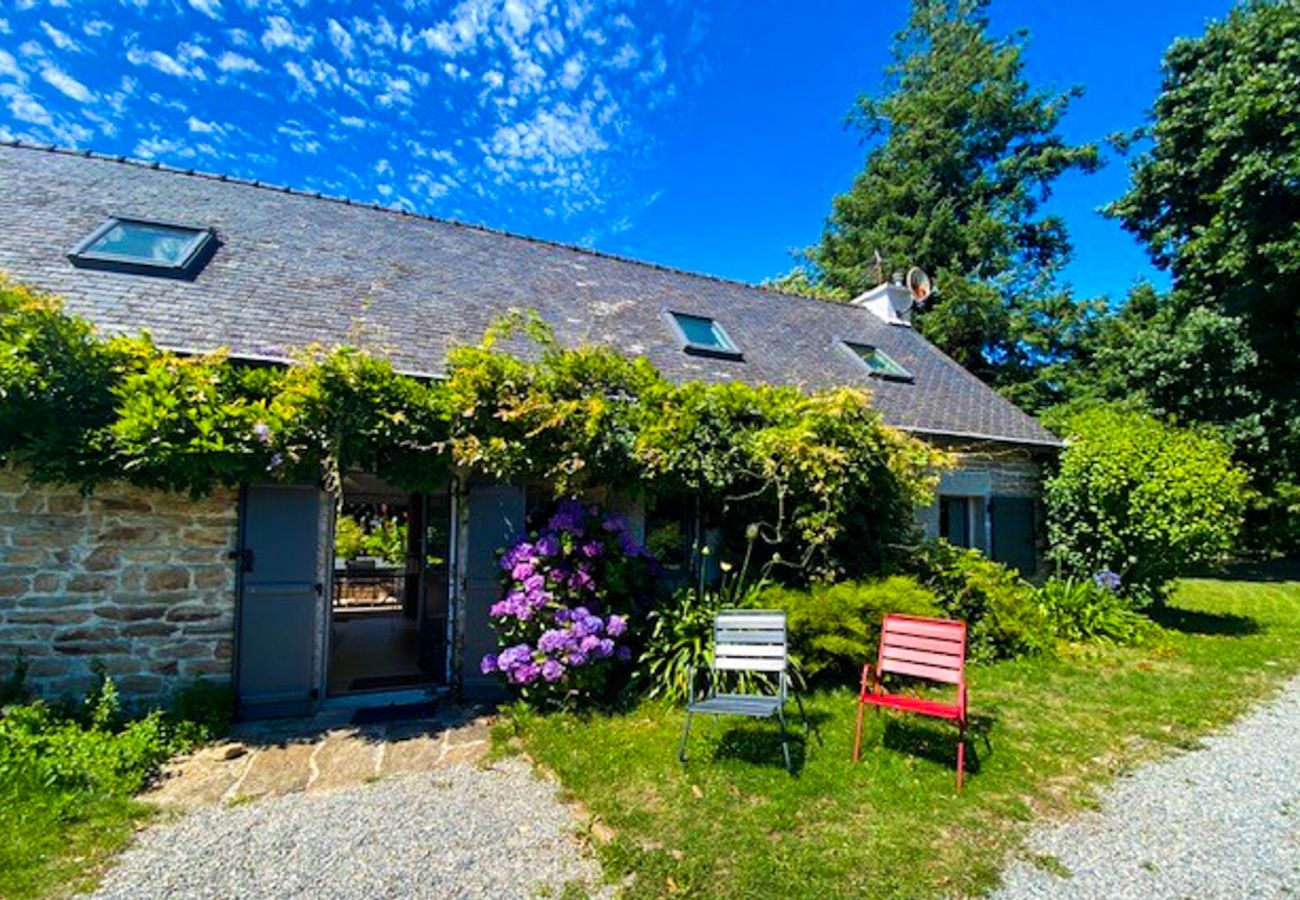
{"x":496,"y":517}
{"x":281,"y":599}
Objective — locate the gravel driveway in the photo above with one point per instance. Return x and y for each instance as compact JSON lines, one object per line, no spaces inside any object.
{"x":461,"y":831}
{"x":1223,"y":821}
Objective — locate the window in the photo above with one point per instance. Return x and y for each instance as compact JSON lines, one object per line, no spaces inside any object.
{"x":703,"y":336}
{"x":146,"y":248}
{"x":878,"y":362}
{"x":956,"y":520}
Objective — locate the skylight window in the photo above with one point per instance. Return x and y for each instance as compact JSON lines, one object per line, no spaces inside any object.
{"x":878,"y":362}
{"x":146,"y":248}
{"x":703,"y":336}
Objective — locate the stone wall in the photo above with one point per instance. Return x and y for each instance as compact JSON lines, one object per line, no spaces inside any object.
{"x":138,"y":582}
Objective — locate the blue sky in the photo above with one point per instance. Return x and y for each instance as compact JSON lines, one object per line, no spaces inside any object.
{"x":705,"y":135}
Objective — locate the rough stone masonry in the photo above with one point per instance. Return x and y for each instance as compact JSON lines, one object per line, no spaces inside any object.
{"x":135,"y":582}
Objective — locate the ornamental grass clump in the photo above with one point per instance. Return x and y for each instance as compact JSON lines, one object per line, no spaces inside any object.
{"x":570,"y":591}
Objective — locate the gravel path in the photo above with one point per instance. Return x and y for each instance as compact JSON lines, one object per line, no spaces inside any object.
{"x":1219,"y":822}
{"x":458,"y":832}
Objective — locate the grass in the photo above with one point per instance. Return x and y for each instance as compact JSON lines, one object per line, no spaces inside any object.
{"x":46,"y":854}
{"x":733,"y":823}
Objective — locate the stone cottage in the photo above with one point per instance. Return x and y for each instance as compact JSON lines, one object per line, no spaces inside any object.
{"x":251,"y":585}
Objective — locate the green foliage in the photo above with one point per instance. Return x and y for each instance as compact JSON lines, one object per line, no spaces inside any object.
{"x":201,"y":711}
{"x":998,"y":605}
{"x":1214,"y":197}
{"x":835,"y":628}
{"x":965,"y":152}
{"x":679,"y":635}
{"x":386,"y":539}
{"x":68,"y":772}
{"x":1080,"y":610}
{"x":831,"y":486}
{"x":1142,"y":498}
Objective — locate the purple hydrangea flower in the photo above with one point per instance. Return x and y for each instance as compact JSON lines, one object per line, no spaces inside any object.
{"x":262,"y":432}
{"x":552,"y":670}
{"x":489,"y":664}
{"x":623,"y":653}
{"x":605,"y":648}
{"x":577,"y":659}
{"x":616,"y":626}
{"x":522,"y":571}
{"x":555,"y":639}
{"x":614,"y":523}
{"x":534,"y":583}
{"x":548,"y":545}
{"x":1108,"y":580}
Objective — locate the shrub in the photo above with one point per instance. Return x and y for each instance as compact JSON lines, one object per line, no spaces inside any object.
{"x":835,"y":628}
{"x":201,"y":711}
{"x":998,"y":606}
{"x":1080,"y":610}
{"x":1141,"y":497}
{"x":569,"y":592}
{"x":679,"y":635}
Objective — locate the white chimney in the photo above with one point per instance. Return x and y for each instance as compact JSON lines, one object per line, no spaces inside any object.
{"x":891,"y":303}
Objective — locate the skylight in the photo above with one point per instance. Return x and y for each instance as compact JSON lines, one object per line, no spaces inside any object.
{"x":703,"y":336}
{"x":146,"y":248}
{"x":878,"y":362}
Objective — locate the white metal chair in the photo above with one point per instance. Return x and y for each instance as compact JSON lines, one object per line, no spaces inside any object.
{"x":746,"y":640}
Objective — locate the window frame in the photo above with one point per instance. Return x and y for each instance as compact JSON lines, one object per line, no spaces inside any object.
{"x":903,"y":374}
{"x":201,"y":247}
{"x":728,"y":350}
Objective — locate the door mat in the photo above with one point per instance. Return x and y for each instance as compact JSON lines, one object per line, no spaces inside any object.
{"x":378,"y":714}
{"x":379,"y":682}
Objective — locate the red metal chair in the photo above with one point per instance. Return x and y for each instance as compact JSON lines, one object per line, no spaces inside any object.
{"x":930,"y":649}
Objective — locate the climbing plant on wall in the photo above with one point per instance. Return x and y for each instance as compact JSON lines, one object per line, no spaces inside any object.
{"x":825,"y":481}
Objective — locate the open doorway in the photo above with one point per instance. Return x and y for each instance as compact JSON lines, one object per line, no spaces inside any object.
{"x":389,"y":588}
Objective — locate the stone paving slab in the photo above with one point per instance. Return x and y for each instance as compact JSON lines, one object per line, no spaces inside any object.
{"x":268,"y":759}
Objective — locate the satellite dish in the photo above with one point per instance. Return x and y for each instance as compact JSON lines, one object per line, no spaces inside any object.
{"x":918,"y":283}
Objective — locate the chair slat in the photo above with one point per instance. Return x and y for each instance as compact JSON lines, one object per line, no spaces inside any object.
{"x":893,"y":639}
{"x":934,"y":673}
{"x":745,"y":619}
{"x":748,"y":664}
{"x":943,"y":630}
{"x":757,"y":636}
{"x":775,"y":651}
{"x":924,"y":657}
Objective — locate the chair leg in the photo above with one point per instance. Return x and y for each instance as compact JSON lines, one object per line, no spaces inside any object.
{"x":961,"y":755}
{"x":857,"y":738}
{"x":686,"y":733}
{"x":785,"y":741}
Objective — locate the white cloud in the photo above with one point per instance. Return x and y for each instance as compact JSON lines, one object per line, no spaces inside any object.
{"x":24,"y":107}
{"x":9,"y":68}
{"x":164,"y":63}
{"x":280,"y":33}
{"x":198,"y":126}
{"x":66,"y":84}
{"x":209,"y":8}
{"x":341,"y":39}
{"x":300,"y":78}
{"x":153,"y":147}
{"x":571,"y":74}
{"x":233,"y":62}
{"x":494,"y":79}
{"x":626,"y":57}
{"x":59,"y":39}
{"x":353,"y":121}
{"x":97,"y":27}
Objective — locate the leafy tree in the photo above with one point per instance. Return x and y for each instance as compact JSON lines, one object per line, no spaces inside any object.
{"x":1216,"y":199}
{"x":967,"y":153}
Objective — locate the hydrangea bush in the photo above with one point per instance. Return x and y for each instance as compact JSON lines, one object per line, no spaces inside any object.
{"x":570,"y":591}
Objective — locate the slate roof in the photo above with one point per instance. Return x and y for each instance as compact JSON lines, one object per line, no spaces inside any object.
{"x":295,"y":268}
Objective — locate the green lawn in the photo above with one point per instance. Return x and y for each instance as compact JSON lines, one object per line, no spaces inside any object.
{"x":732,"y":823}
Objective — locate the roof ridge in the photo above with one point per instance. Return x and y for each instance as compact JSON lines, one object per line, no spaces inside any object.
{"x":19,"y":144}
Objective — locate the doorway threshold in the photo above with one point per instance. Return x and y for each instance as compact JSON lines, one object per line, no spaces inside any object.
{"x":372,"y":699}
